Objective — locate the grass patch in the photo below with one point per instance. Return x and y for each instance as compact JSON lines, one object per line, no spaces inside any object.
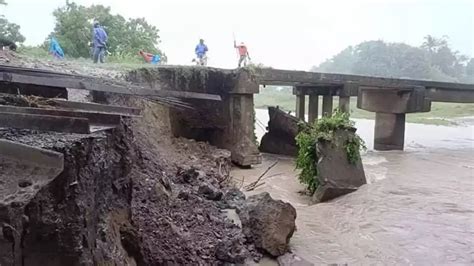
{"x":118,"y":62}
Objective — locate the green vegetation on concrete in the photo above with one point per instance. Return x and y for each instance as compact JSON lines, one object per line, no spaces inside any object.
{"x":323,"y":131}
{"x":441,"y":113}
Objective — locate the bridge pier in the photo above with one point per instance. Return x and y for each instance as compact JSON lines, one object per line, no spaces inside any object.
{"x":227,"y":124}
{"x":327,"y":105}
{"x":345,"y":104}
{"x":389,"y":131}
{"x":300,"y":106}
{"x":391,"y":106}
{"x":313,"y":108}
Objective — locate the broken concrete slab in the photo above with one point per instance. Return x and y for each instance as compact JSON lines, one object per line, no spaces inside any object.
{"x":45,"y":122}
{"x":31,"y":155}
{"x":336,"y":175}
{"x":25,"y":169}
{"x":93,"y":117}
{"x":282,"y":131}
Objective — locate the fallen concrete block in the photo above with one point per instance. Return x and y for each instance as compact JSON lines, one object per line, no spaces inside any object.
{"x":282,"y":130}
{"x":336,"y":174}
{"x":268,"y":223}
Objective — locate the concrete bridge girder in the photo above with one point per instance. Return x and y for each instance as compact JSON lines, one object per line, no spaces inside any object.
{"x":393,"y":100}
{"x":391,"y":106}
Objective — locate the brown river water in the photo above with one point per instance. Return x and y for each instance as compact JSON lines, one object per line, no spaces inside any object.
{"x":417,"y":208}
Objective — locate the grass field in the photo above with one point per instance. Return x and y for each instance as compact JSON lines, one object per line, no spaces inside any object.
{"x":441,"y":113}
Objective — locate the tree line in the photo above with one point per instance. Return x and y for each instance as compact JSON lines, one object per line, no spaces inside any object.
{"x":73,"y":30}
{"x":432,"y":60}
{"x":10,"y":31}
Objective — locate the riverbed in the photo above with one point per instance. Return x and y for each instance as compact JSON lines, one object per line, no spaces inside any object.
{"x":417,"y":208}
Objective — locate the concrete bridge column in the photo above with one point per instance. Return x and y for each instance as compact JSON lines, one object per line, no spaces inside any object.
{"x":313,"y":108}
{"x":345,"y":96}
{"x":391,"y":106}
{"x":389,"y":131}
{"x":300,"y":106}
{"x":345,"y":104}
{"x":327,"y":105}
{"x":242,"y":121}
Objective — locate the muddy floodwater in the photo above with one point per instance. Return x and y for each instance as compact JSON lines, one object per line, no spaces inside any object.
{"x":418,"y":208}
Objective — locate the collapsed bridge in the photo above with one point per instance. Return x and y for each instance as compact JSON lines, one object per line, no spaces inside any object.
{"x":216,"y":105}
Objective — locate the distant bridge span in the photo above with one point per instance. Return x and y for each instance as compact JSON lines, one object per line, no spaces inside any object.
{"x":390,"y":98}
{"x":314,"y":81}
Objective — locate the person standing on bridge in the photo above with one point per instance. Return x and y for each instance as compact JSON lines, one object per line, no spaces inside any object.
{"x":243,"y":53}
{"x":99,"y":40}
{"x":201,"y":51}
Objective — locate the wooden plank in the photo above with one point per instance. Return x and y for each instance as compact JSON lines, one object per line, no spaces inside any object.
{"x":94,"y":85}
{"x":93,"y":117}
{"x":95,"y":107}
{"x":45,"y":123}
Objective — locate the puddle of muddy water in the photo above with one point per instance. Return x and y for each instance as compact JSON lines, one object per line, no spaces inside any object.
{"x":418,"y":207}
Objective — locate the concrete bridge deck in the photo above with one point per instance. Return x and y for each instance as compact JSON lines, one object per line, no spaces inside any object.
{"x":314,"y":81}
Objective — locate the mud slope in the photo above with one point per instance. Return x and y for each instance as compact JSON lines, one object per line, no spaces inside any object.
{"x":76,"y":218}
{"x":128,"y":196}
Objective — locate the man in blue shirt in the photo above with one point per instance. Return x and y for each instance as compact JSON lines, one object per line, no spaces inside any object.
{"x":201,"y":50}
{"x":99,"y":40}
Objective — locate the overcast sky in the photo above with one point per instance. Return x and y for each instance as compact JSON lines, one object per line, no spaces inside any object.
{"x":290,"y":34}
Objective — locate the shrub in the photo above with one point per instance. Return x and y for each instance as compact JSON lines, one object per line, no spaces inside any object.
{"x":323,"y":130}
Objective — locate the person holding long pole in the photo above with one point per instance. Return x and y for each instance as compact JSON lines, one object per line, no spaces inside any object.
{"x":243,"y":53}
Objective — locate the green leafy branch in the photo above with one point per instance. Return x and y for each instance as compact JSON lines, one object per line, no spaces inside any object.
{"x":323,"y":131}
